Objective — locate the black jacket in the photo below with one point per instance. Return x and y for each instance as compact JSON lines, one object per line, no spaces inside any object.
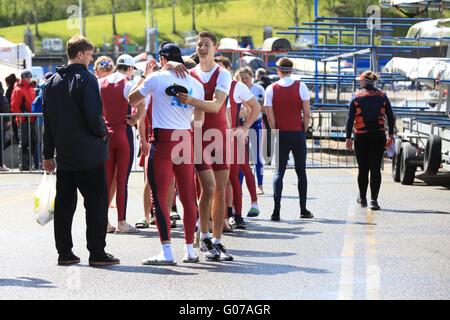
{"x":264,"y":82}
{"x":73,"y":120}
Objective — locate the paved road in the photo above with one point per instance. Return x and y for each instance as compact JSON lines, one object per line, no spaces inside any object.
{"x":346,"y":252}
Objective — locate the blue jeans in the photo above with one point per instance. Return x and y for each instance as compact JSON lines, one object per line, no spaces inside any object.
{"x":255,"y":152}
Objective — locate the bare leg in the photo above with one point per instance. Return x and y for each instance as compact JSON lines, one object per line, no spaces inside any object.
{"x":208,"y":185}
{"x":219,"y":202}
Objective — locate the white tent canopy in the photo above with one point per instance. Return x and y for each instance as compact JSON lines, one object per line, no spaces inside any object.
{"x":15,"y":54}
{"x":14,"y":58}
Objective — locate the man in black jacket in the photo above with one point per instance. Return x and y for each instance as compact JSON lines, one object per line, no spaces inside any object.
{"x":74,"y":127}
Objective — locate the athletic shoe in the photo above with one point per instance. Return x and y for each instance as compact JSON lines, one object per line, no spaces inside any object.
{"x":210,"y":251}
{"x":239,"y":223}
{"x":254,"y":212}
{"x":224,"y":256}
{"x":362,"y":202}
{"x":275,"y":215}
{"x":232,"y":222}
{"x":306,"y":215}
{"x":103,"y":260}
{"x":174,"y":216}
{"x":4,"y":169}
{"x":191,"y":259}
{"x":226,"y":227}
{"x":68,"y":259}
{"x":374,"y":205}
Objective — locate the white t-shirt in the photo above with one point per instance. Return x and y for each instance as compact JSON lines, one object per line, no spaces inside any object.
{"x":223,"y":80}
{"x":259,"y":93}
{"x":241,"y":94}
{"x":168,"y":112}
{"x":286,"y":82}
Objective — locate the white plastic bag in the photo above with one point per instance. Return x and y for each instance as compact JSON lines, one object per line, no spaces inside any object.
{"x":44,"y":199}
{"x":390,"y":148}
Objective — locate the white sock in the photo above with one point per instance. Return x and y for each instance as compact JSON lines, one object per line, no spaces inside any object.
{"x":167,"y":252}
{"x":216,"y":241}
{"x":205,"y":236}
{"x":255,"y":205}
{"x":189,"y":250}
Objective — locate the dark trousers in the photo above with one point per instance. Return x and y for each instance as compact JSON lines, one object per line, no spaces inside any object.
{"x":269,"y":140}
{"x":27,"y":144}
{"x":369,"y":149}
{"x":2,"y":143}
{"x":295,"y":142}
{"x":92,"y":185}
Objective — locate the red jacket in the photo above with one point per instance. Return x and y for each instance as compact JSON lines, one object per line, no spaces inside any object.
{"x":21,"y":100}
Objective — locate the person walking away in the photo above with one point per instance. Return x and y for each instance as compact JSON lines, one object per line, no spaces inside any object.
{"x":74,"y":127}
{"x":288,"y":110}
{"x":369,"y":109}
{"x":22,"y":98}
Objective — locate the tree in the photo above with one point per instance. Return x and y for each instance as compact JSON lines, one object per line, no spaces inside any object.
{"x":195,"y":7}
{"x":113,"y":9}
{"x":292,"y":8}
{"x":174,"y":27}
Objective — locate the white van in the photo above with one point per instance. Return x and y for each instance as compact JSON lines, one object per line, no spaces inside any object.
{"x":52,"y":45}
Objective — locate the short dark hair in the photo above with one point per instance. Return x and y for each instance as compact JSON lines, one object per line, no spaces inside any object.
{"x":11,"y":80}
{"x":285,"y":65}
{"x":246,"y":70}
{"x":78,"y":44}
{"x":122,"y":67}
{"x":223,"y":60}
{"x":207,"y":34}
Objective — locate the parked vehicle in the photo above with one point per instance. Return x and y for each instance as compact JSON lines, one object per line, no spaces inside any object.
{"x":52,"y":45}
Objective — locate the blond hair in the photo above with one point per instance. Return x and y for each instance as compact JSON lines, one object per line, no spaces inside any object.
{"x":104,"y":64}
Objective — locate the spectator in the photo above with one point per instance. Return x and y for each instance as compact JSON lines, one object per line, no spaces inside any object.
{"x":11,"y":81}
{"x":74,"y":127}
{"x":4,"y":108}
{"x":262,"y":78}
{"x":37,"y":108}
{"x":22,"y":98}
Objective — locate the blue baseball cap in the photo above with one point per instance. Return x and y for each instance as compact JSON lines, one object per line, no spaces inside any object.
{"x":171,"y":52}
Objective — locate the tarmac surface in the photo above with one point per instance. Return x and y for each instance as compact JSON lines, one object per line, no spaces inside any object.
{"x":345,"y":252}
